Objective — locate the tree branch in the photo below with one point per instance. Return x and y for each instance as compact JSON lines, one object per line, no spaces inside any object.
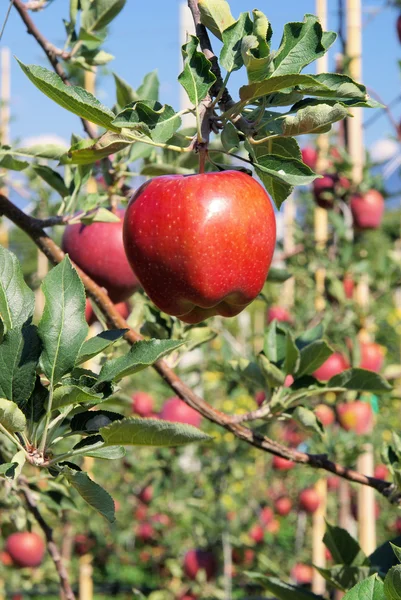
{"x":51,"y":52}
{"x":51,"y":545}
{"x":317,"y":461}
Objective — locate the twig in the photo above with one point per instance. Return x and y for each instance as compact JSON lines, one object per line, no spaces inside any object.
{"x":51,"y":545}
{"x":317,"y":461}
{"x":51,"y":52}
{"x":253,"y":415}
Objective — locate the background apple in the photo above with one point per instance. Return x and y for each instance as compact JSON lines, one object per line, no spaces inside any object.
{"x":201,"y":245}
{"x":309,"y":157}
{"x":26,"y":549}
{"x":367,"y":209}
{"x":335,"y":364}
{"x":283,"y":506}
{"x":177,"y":411}
{"x":145,"y":532}
{"x":309,"y":500}
{"x":257,"y":533}
{"x":142,"y":404}
{"x":348,"y":285}
{"x":266,"y":515}
{"x":196,"y":559}
{"x":282,"y":464}
{"x":279,"y":313}
{"x":372,"y":356}
{"x":302,"y":574}
{"x":98,"y":249}
{"x":381,"y":472}
{"x":356,"y":416}
{"x":325,"y":414}
{"x":146,"y":494}
{"x":122,"y":307}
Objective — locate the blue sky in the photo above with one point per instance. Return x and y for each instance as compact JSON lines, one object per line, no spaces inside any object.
{"x":145,"y":36}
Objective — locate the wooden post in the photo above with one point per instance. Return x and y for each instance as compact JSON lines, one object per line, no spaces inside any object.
{"x":366,"y":500}
{"x":85,"y":577}
{"x":321,"y":237}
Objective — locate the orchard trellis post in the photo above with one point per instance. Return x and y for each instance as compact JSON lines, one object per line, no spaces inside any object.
{"x":366,"y":498}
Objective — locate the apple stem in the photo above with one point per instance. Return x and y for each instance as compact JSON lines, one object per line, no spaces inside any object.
{"x":202,"y":159}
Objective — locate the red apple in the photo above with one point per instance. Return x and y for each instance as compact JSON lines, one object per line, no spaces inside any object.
{"x":196,"y":560}
{"x":25,"y":548}
{"x":302,"y":574}
{"x":399,"y":27}
{"x":397,"y":526}
{"x":333,"y":483}
{"x":266,"y":515}
{"x":356,"y":416}
{"x":335,"y":364}
{"x":381,"y":472}
{"x":282,"y":464}
{"x":260,"y":397}
{"x":188,"y":597}
{"x":257,"y":533}
{"x":283,"y":506}
{"x":201,"y":245}
{"x":146,"y":494}
{"x":99,"y":251}
{"x":372,"y":356}
{"x":367,"y":209}
{"x":83,"y":544}
{"x":279,"y":313}
{"x":122,"y":307}
{"x":141,"y":512}
{"x":161,"y":519}
{"x":309,"y":157}
{"x":328,"y":554}
{"x":249,"y":557}
{"x":309,"y":500}
{"x":348,"y":285}
{"x":325,"y":414}
{"x":177,"y":411}
{"x":273,"y":527}
{"x":288,"y":381}
{"x":142,"y":404}
{"x":324,"y":191}
{"x":145,"y":532}
{"x":6,"y":559}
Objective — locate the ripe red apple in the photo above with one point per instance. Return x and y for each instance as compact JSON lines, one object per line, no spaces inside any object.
{"x":83,"y":544}
{"x":309,"y":157}
{"x":328,"y":554}
{"x":99,"y":251}
{"x":122,"y":307}
{"x":348,"y":285}
{"x":279,"y":313}
{"x":196,"y":560}
{"x":288,"y":381}
{"x":273,"y":527}
{"x":324,"y":191}
{"x":356,"y":416}
{"x":266,"y":515}
{"x":161,"y":519}
{"x":325,"y":414}
{"x":145,"y":532}
{"x":302,"y":574}
{"x":309,"y":500}
{"x":367,"y":209}
{"x":26,"y":549}
{"x":335,"y":364}
{"x":177,"y":411}
{"x":257,"y":533}
{"x":141,"y":512}
{"x":399,"y":27}
{"x":188,"y":597}
{"x":333,"y":483}
{"x":249,"y":557}
{"x":6,"y":559}
{"x":283,"y":506}
{"x":142,"y":404}
{"x":146,"y":494}
{"x":372,"y":356}
{"x":201,"y":245}
{"x":381,"y":472}
{"x":260,"y":397}
{"x":282,"y":464}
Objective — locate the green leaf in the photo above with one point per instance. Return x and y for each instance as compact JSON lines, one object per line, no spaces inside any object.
{"x":90,"y":421}
{"x":161,"y":120}
{"x":276,"y":275}
{"x":253,"y":91}
{"x":301,"y":44}
{"x":125,"y":94}
{"x":150,"y":432}
{"x":361,"y":380}
{"x":229,"y":137}
{"x":292,"y":355}
{"x":93,"y":150}
{"x":197,"y":77}
{"x":396,"y":550}
{"x":91,"y":41}
{"x":66,"y":395}
{"x":392,"y":584}
{"x":370,"y":589}
{"x":99,"y":14}
{"x":336,"y":86}
{"x":141,"y":355}
{"x":73,"y":98}
{"x":11,"y":417}
{"x":13,"y":164}
{"x":343,"y":577}
{"x":275,"y":343}
{"x":231,"y":56}
{"x":308,"y":420}
{"x":18,"y":461}
{"x":48,"y":151}
{"x":273,"y":375}
{"x":98,"y":344}
{"x":108,"y":453}
{"x":63,"y":327}
{"x":282,"y":590}
{"x":34,"y":409}
{"x":215,"y":15}
{"x":17,"y":301}
{"x":52,"y":178}
{"x":99,"y":215}
{"x":149,"y":88}
{"x":311,"y":117}
{"x":343,"y":547}
{"x":19,"y":357}
{"x":92,"y":493}
{"x":309,"y":336}
{"x":8,"y":469}
{"x":258,"y":68}
{"x":313,"y":356}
